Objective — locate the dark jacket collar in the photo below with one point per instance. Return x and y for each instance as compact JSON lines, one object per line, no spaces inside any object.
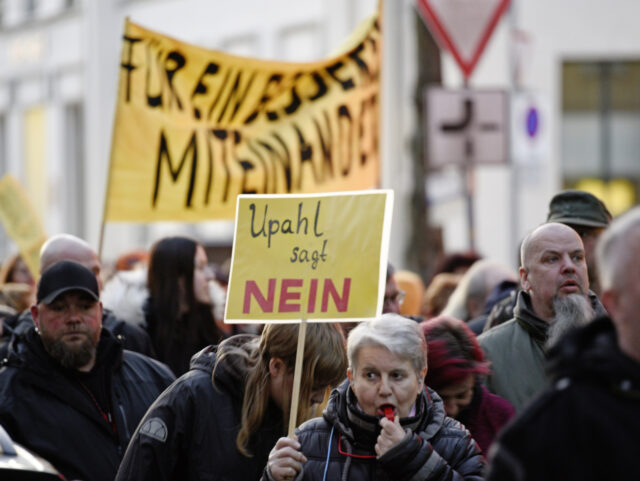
{"x":362,"y":430}
{"x":526,"y":318}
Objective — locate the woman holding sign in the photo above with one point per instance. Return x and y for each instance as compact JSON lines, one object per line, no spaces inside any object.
{"x":221,"y":419}
{"x":381,"y":423}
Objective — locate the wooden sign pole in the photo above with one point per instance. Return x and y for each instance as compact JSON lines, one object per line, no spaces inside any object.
{"x":297,"y":374}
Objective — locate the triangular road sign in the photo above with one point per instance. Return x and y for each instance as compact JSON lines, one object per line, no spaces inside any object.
{"x":463,"y":26}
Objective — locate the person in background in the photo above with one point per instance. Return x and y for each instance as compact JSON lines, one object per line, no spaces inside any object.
{"x":178,"y":310}
{"x":589,"y":217}
{"x":68,"y":247}
{"x":15,"y":270}
{"x":221,"y":419}
{"x":17,"y":285}
{"x":456,"y":372}
{"x":381,"y":423}
{"x":456,"y":262}
{"x":393,"y":296}
{"x":437,"y":293}
{"x":68,"y":390}
{"x":585,"y":425}
{"x":555,"y":297}
{"x":468,"y":299}
{"x":129,"y":261}
{"x":411,"y":284}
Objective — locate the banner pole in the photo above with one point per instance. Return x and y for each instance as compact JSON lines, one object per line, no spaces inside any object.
{"x":297,"y":374}
{"x":107,"y":191}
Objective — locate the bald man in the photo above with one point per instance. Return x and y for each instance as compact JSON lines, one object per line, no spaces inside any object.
{"x":585,"y":425}
{"x":66,"y":247}
{"x":555,"y":297}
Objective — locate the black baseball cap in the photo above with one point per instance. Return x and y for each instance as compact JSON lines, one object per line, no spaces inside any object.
{"x":580,"y":208}
{"x":66,"y":276}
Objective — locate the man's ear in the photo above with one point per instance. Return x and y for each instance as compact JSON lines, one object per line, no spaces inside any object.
{"x":34,"y":314}
{"x":524,"y":279}
{"x":350,"y":375}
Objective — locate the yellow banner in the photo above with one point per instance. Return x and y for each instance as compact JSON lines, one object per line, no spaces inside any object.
{"x":194,"y":128}
{"x":320,"y":257}
{"x":21,"y":222}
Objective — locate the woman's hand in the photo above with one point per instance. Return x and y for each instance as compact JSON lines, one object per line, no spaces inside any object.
{"x":392,"y":433}
{"x":285,"y":459}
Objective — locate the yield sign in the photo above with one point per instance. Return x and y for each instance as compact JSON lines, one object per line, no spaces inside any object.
{"x":463,"y":26}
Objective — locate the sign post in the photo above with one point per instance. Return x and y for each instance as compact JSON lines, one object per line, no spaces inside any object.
{"x":463,"y":27}
{"x":309,"y":258}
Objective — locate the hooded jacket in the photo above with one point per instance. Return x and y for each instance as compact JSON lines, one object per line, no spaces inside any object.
{"x":45,"y":408}
{"x":342,"y":442}
{"x":190,"y":432}
{"x":586,"y":425}
{"x":516,"y":350}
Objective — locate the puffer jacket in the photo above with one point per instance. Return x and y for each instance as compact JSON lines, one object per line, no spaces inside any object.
{"x":190,"y":432}
{"x":586,"y":425}
{"x":44,"y":406}
{"x":342,"y":442}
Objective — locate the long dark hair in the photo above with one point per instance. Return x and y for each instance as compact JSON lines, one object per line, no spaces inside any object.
{"x":170,"y":283}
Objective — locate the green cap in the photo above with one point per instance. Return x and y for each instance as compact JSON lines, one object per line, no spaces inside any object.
{"x":577,"y":207}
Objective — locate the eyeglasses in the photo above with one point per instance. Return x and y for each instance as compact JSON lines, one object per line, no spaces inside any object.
{"x":396,"y":297}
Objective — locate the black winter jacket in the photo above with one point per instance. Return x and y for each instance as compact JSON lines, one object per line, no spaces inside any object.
{"x":190,"y":432}
{"x":586,"y":426}
{"x":436,"y":447}
{"x":45,"y":408}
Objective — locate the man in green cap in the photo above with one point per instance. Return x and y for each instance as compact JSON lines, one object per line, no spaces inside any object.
{"x":588,"y":216}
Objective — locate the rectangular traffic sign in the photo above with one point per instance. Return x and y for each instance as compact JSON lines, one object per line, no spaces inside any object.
{"x":466,"y":126}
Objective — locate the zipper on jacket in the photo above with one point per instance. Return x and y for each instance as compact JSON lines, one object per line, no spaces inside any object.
{"x":124,"y":420}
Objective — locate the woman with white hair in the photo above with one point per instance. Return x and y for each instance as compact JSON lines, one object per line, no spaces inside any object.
{"x":381,"y":423}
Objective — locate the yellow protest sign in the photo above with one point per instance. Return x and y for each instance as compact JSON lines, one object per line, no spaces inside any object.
{"x":316,"y":257}
{"x":21,"y":222}
{"x":195,"y":127}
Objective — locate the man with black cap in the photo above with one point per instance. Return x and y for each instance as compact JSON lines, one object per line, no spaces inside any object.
{"x":67,"y":247}
{"x":68,"y":390}
{"x":588,"y":216}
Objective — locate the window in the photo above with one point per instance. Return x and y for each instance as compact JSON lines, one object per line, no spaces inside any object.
{"x":600,"y":126}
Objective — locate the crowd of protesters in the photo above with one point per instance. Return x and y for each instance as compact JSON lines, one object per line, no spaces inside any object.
{"x":480,"y":373}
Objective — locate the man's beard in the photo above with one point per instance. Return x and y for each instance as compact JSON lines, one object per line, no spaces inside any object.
{"x":71,"y":356}
{"x":571,"y":311}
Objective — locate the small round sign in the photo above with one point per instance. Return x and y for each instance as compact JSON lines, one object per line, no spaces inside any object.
{"x":532,"y":122}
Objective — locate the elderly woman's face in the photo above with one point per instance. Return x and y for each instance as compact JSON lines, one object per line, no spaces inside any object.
{"x":381,"y":377}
